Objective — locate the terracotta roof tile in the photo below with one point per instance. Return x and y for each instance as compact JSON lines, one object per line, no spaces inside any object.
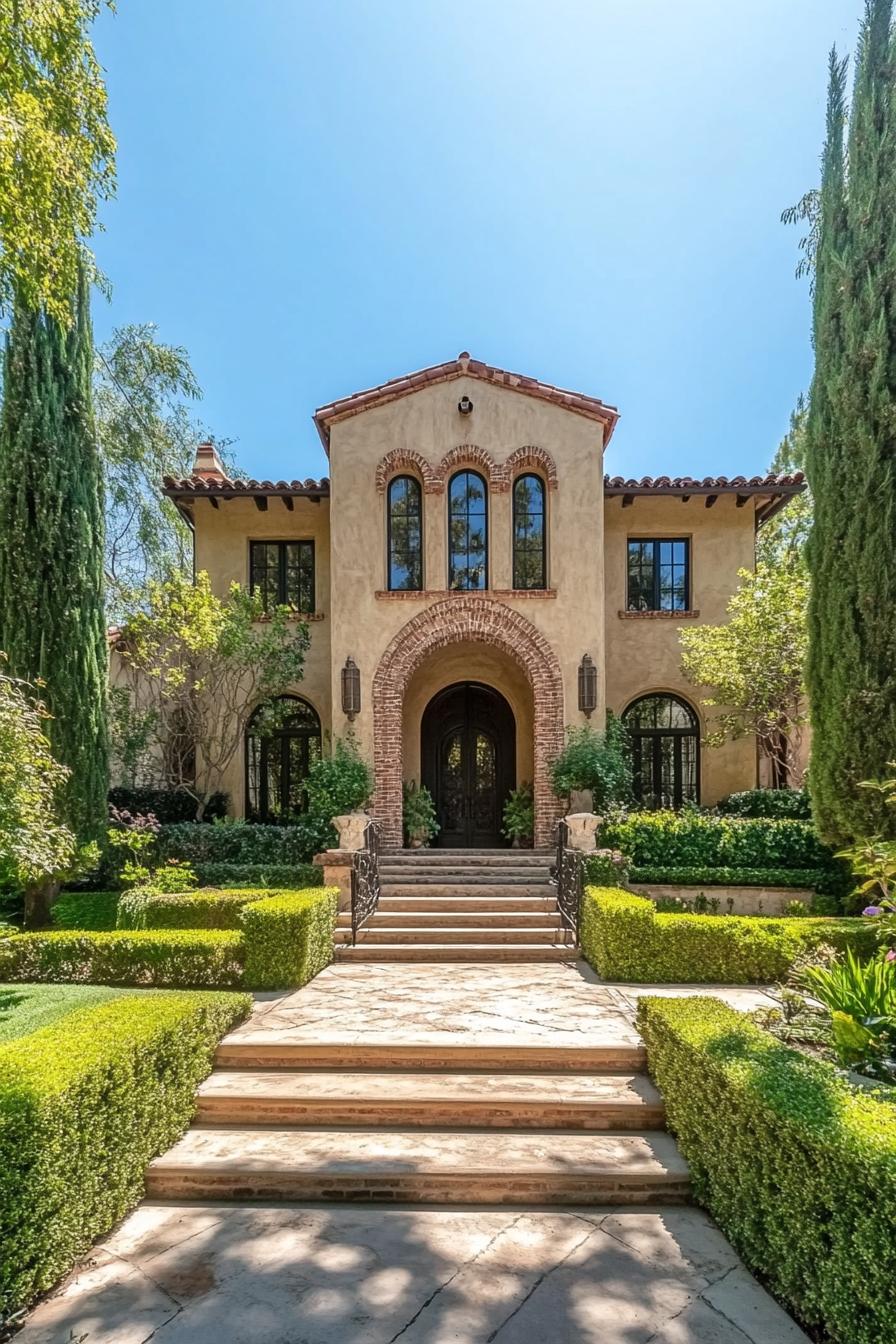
{"x":789,"y":483}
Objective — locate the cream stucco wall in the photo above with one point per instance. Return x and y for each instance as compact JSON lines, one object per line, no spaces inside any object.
{"x":644,"y":654}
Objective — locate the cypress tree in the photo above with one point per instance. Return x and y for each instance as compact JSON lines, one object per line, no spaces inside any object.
{"x":52,"y":624}
{"x":851,"y":446}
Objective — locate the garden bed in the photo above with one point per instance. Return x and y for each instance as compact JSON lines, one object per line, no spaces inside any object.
{"x":729,"y":900}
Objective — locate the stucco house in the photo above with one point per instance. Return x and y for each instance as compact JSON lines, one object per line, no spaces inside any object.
{"x":473,"y":583}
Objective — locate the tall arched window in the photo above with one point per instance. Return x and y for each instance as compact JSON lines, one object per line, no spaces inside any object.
{"x":278,"y":760}
{"x":467,"y":532}
{"x":405,"y":534}
{"x":529,"y":533}
{"x":665,"y":751}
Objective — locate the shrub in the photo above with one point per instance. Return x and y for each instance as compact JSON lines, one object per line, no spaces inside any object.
{"x":205,"y":909}
{"x":285,"y":877}
{"x":725,"y":877}
{"x":599,"y":762}
{"x":289,"y":937}
{"x":167,"y":805}
{"x":519,"y":814}
{"x":85,"y":1104}
{"x":779,"y":803}
{"x":85,"y":910}
{"x":206,"y":958}
{"x":339,"y":783}
{"x":798,"y":1169}
{"x":244,"y":843}
{"x":418,"y":812}
{"x":700,"y":840}
{"x":607,"y":868}
{"x":624,"y":938}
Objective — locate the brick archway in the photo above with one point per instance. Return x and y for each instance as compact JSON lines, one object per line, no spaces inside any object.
{"x":455,"y":620}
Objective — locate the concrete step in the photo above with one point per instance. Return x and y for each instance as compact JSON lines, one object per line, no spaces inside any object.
{"x":463,"y":1100}
{"x":509,"y":953}
{"x":431,"y":902}
{"x":421,"y":1166}
{"x":458,"y":919}
{"x":460,"y":887}
{"x":374,"y":934}
{"x":256,"y":1050}
{"x":477,"y":856}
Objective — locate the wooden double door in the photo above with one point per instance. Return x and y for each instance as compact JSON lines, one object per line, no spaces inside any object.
{"x":468,"y":763}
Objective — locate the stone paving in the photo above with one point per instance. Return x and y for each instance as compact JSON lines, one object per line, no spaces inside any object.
{"x":211,"y":1273}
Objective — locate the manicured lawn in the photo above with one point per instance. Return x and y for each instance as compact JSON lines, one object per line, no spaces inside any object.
{"x":26,"y":1008}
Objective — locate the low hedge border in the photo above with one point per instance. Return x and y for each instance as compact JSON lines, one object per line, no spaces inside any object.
{"x":85,"y":1104}
{"x":289,"y":937}
{"x":202,"y":958}
{"x":700,"y":840}
{"x":797,"y":1167}
{"x":245,"y":843}
{"x":206,"y":908}
{"x":624,"y":938}
{"x":278,"y":876}
{"x":728,"y":877}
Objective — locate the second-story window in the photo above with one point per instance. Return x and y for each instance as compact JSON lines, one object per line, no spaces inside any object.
{"x":283,"y":572}
{"x":405,"y":524}
{"x":467,"y":532}
{"x":659,"y":577}
{"x":529,"y":554}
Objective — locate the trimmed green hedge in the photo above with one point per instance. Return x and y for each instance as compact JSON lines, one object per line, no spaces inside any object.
{"x":798,"y":1168}
{"x":85,"y":1104}
{"x":699,"y":840}
{"x":289,"y":937}
{"x":85,"y":910}
{"x":209,"y":958}
{"x":727,"y":877}
{"x":624,"y":938}
{"x":245,"y":843}
{"x":279,"y":876}
{"x":768,"y":803}
{"x":206,"y":908}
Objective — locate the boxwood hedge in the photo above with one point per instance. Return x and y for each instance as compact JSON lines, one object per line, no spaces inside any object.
{"x":624,"y":938}
{"x":207,"y":958}
{"x":245,"y":843}
{"x":797,"y":1167}
{"x":205,"y":908}
{"x":701,"y":840}
{"x":85,"y":910}
{"x":289,"y":937}
{"x":85,"y":1104}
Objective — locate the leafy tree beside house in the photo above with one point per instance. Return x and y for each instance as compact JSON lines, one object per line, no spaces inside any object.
{"x":196,"y":666}
{"x":851,"y":441}
{"x":52,"y":622}
{"x":754,"y":666}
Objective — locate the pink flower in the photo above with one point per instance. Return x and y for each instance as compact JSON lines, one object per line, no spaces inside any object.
{"x":891,"y":955}
{"x":872,"y":910}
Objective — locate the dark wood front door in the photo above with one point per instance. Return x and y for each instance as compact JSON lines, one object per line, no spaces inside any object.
{"x":468,"y":763}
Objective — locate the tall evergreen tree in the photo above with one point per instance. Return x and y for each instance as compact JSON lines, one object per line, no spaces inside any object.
{"x":52,"y":623}
{"x":851,"y":444}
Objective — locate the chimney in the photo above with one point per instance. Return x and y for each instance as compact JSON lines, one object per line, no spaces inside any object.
{"x":208,"y":465}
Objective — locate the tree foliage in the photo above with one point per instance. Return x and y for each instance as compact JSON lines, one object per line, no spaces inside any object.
{"x":196,"y":667}
{"x":755,"y":665}
{"x":782,"y":540}
{"x":52,"y":620}
{"x":851,"y":443}
{"x":56,"y":149}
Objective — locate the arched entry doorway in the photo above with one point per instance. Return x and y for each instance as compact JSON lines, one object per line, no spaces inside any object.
{"x":468,"y":762}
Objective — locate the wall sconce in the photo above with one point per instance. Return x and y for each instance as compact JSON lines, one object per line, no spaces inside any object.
{"x":351,"y":688}
{"x":587,"y":686}
{"x":465,"y":405}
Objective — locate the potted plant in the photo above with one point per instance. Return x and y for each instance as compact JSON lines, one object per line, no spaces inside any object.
{"x":594,"y":769}
{"x":420,"y":823}
{"x":519,"y":817}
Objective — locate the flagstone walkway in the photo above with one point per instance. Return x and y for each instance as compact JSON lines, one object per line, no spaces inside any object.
{"x":262,"y":1273}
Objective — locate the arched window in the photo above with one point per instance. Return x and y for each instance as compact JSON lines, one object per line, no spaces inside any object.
{"x":278,"y":760}
{"x":529,"y":533}
{"x":665,"y":751}
{"x":405,"y":534}
{"x":467,"y":532}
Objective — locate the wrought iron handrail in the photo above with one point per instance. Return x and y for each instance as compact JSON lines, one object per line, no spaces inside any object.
{"x":566,"y":875}
{"x":365,"y":879}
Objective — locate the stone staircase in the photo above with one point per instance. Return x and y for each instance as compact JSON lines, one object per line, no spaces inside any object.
{"x":461,"y":905}
{"x":428,"y":1123}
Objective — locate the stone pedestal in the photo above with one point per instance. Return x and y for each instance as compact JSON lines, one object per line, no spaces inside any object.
{"x":337,"y":868}
{"x":582,"y":831}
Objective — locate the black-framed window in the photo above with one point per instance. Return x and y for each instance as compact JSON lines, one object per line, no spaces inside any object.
{"x":529,"y":533}
{"x":665,"y":738}
{"x":405,"y":526}
{"x":659,"y":574}
{"x":278,"y":760}
{"x":283,"y":572}
{"x":467,"y":532}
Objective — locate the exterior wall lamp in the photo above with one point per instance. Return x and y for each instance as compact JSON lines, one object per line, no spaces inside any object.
{"x":351,"y":689}
{"x":587,"y":686}
{"x":465,"y":405}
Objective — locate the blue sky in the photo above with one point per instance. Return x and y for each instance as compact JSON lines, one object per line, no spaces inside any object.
{"x":314,"y":198}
